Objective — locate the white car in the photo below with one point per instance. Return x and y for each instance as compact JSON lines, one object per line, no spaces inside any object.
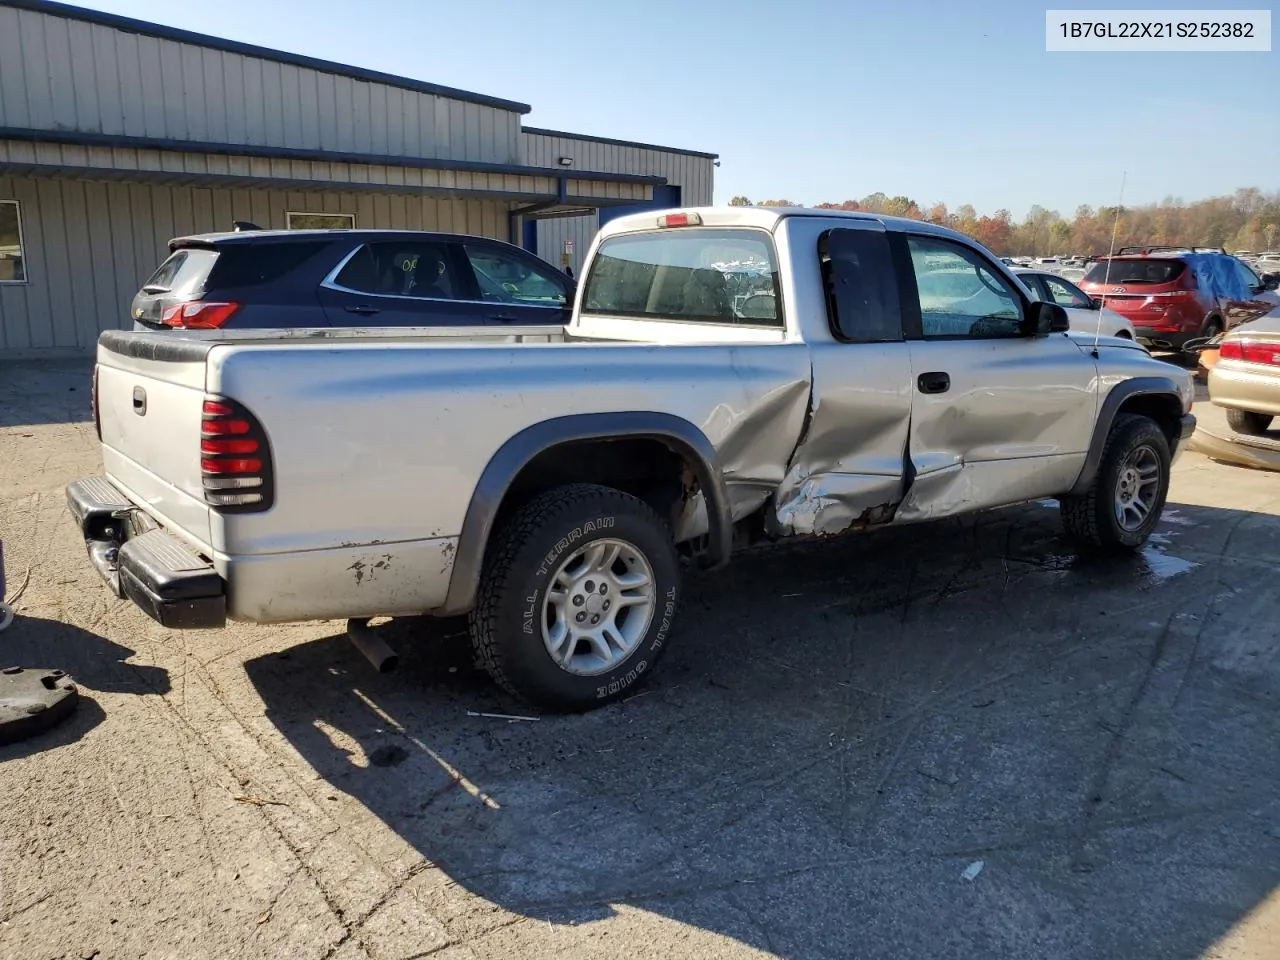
{"x":1083,"y":312}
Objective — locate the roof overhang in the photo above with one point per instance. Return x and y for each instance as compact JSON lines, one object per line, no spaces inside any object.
{"x":76,"y":155}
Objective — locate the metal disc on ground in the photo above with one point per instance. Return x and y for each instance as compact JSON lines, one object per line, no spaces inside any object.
{"x":32,"y":700}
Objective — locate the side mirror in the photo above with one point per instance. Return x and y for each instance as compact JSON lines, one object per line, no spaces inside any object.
{"x":1045,"y":318}
{"x":1271,"y":282}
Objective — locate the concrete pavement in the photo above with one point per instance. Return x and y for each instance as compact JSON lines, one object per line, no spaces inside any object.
{"x":840,"y":735}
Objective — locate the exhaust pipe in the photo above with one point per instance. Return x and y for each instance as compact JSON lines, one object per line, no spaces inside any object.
{"x":374,"y":648}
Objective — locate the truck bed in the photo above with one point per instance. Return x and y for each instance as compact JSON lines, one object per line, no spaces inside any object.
{"x":373,"y":476}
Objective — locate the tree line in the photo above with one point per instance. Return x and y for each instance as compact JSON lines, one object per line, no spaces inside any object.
{"x":1247,"y":220}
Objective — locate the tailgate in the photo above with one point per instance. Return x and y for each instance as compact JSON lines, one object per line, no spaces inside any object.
{"x":150,"y":413}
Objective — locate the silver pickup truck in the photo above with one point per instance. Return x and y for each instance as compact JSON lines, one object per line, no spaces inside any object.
{"x":728,"y":376}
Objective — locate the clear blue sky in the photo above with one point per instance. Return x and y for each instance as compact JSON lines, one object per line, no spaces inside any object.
{"x":813,"y":101}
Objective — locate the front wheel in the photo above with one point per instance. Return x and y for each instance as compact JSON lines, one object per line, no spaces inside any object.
{"x":1123,"y":506}
{"x":577,"y":598}
{"x":1249,"y":423}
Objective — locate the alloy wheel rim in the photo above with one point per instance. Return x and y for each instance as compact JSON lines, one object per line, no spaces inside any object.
{"x":598,"y":607}
{"x":1137,"y":487}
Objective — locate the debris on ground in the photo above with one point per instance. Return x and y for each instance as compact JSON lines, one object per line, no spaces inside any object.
{"x":259,"y":801}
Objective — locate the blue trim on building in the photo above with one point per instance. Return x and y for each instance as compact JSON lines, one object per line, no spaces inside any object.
{"x":130,"y":25}
{"x":664,"y":198}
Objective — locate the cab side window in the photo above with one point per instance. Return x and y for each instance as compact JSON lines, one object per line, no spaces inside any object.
{"x":961,"y":295}
{"x":861,"y":285}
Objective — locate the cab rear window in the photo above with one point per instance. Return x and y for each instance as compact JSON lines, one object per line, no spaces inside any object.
{"x":701,"y":275}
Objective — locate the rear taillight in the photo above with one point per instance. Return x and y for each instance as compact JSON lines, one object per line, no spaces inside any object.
{"x":198,"y":315}
{"x":235,"y":458}
{"x":1250,"y":351}
{"x":93,"y":403}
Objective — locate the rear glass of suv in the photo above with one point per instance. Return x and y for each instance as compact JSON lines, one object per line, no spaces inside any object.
{"x":183,"y":272}
{"x":1144,"y":270}
{"x":251,"y":264}
{"x":703,"y":275}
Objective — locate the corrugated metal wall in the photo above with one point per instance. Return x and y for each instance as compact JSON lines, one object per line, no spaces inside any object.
{"x":62,"y":74}
{"x":88,"y":246}
{"x":693,"y":174}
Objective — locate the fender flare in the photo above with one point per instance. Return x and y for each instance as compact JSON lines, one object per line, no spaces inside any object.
{"x":1125,"y":390}
{"x":515,"y":454}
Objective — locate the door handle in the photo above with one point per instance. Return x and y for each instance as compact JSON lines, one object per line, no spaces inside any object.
{"x":363,"y":309}
{"x":504,"y":318}
{"x":936,"y":382}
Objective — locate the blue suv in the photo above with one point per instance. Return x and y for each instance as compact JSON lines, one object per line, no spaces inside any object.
{"x":348,"y":278}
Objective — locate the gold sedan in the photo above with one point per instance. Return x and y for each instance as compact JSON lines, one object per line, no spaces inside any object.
{"x":1245,"y":380}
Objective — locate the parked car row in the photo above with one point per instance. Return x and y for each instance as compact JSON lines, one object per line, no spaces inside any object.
{"x":727,"y":376}
{"x":1175,"y":295}
{"x":376,"y":278}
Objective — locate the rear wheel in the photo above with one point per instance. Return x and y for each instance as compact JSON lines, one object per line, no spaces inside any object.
{"x":1249,"y":423}
{"x":1124,"y":504}
{"x":577,"y":598}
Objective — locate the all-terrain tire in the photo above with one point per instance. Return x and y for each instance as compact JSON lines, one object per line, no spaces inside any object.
{"x":1092,"y":518}
{"x":507,"y":622}
{"x":1249,"y":423}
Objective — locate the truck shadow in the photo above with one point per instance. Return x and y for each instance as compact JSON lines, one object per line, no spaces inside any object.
{"x":842,"y":734}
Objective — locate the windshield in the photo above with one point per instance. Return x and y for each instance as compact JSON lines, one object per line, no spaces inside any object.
{"x":1145,"y":270}
{"x":706,"y":275}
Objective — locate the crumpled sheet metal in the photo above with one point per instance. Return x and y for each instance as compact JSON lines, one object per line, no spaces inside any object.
{"x":847,"y":470}
{"x":753,"y":445}
{"x":836,"y":502}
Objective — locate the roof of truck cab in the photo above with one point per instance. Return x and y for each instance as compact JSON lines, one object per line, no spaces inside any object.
{"x":769,"y":217}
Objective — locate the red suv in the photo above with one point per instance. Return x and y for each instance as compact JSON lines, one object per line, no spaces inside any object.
{"x":1175,"y":294}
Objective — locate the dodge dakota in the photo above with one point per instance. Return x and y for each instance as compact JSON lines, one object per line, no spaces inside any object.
{"x":727,"y":376}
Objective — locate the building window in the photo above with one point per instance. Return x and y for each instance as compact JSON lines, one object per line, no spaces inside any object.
{"x":13,"y":267}
{"x":320,"y":221}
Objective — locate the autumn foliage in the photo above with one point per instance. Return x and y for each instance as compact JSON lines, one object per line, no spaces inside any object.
{"x":1247,"y":220}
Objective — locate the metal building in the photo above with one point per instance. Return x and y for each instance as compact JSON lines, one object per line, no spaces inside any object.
{"x":688,"y":176}
{"x":117,"y":134}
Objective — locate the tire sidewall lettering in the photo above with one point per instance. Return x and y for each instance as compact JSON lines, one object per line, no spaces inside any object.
{"x":616,"y":686}
{"x":569,"y":539}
